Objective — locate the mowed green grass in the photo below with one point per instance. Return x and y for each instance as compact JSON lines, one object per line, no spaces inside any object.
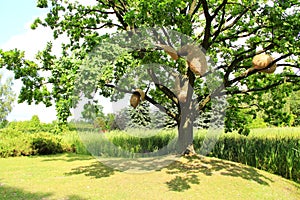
{"x":71,"y":176}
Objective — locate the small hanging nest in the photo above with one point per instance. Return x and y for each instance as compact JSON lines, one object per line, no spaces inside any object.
{"x":261,"y":61}
{"x":169,"y":50}
{"x":181,"y":89}
{"x":137,"y":96}
{"x":195,"y":58}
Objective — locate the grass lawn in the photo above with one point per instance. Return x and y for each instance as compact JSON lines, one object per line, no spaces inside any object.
{"x":71,"y":176}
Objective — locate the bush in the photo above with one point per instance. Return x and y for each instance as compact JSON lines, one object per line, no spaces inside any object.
{"x":16,"y":143}
{"x":257,"y":123}
{"x":45,"y":144}
{"x":35,"y":126}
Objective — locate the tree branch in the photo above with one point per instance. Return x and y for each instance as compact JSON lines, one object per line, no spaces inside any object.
{"x":118,"y":14}
{"x":103,"y":26}
{"x":223,"y":4}
{"x":194,"y":7}
{"x":239,"y":58}
{"x":147,"y":98}
{"x":236,"y":35}
{"x":245,"y":75}
{"x":163,"y":88}
{"x":236,"y":20}
{"x":162,"y":108}
{"x":257,"y":89}
{"x":98,"y":11}
{"x":216,"y":34}
{"x":203,"y":103}
{"x":208,"y":19}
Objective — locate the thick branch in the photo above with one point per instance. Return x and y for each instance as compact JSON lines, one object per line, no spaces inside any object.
{"x":163,"y":88}
{"x":194,"y":7}
{"x":203,"y":103}
{"x":208,"y":19}
{"x":239,"y":58}
{"x":119,"y":14}
{"x":162,"y":108}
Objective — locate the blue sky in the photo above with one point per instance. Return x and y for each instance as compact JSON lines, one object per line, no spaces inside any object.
{"x":14,"y":15}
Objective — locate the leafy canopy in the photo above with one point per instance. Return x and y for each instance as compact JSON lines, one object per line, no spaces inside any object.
{"x":231,"y":32}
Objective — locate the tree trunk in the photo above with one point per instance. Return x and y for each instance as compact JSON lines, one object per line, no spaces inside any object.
{"x":185,"y":133}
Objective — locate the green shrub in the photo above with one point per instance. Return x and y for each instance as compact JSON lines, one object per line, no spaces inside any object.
{"x":46,"y":144}
{"x":15,"y":143}
{"x":34,"y":126}
{"x":257,"y":123}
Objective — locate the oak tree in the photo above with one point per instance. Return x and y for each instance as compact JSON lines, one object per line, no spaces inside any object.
{"x":230,"y":32}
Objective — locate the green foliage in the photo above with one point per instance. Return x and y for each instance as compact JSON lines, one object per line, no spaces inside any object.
{"x":45,"y":144}
{"x":230,"y":33}
{"x":91,"y":112}
{"x":136,"y":144}
{"x":293,"y":106}
{"x":16,"y":143}
{"x":257,"y":123}
{"x":7,"y":97}
{"x":32,"y":137}
{"x":140,"y":116}
{"x":33,"y":126}
{"x":3,"y":124}
{"x":105,"y":123}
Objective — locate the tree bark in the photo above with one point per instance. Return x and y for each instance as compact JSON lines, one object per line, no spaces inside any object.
{"x":185,"y":131}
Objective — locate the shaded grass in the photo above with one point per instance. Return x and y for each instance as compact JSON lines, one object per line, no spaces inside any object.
{"x":71,"y":176}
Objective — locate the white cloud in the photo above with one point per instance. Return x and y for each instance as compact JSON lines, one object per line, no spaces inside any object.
{"x":31,"y":41}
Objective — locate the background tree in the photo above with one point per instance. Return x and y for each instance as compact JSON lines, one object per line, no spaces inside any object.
{"x":7,"y":97}
{"x":293,"y":107}
{"x":90,"y":112}
{"x":140,"y":117}
{"x":231,"y":32}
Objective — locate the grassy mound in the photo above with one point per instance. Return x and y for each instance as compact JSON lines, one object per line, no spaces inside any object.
{"x":71,"y":176}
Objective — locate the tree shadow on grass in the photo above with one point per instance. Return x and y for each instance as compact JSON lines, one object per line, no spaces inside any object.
{"x":106,"y":167}
{"x":13,"y":193}
{"x":182,"y":183}
{"x":139,"y":165}
{"x":186,"y":172}
{"x":95,"y":170}
{"x":68,"y":157}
